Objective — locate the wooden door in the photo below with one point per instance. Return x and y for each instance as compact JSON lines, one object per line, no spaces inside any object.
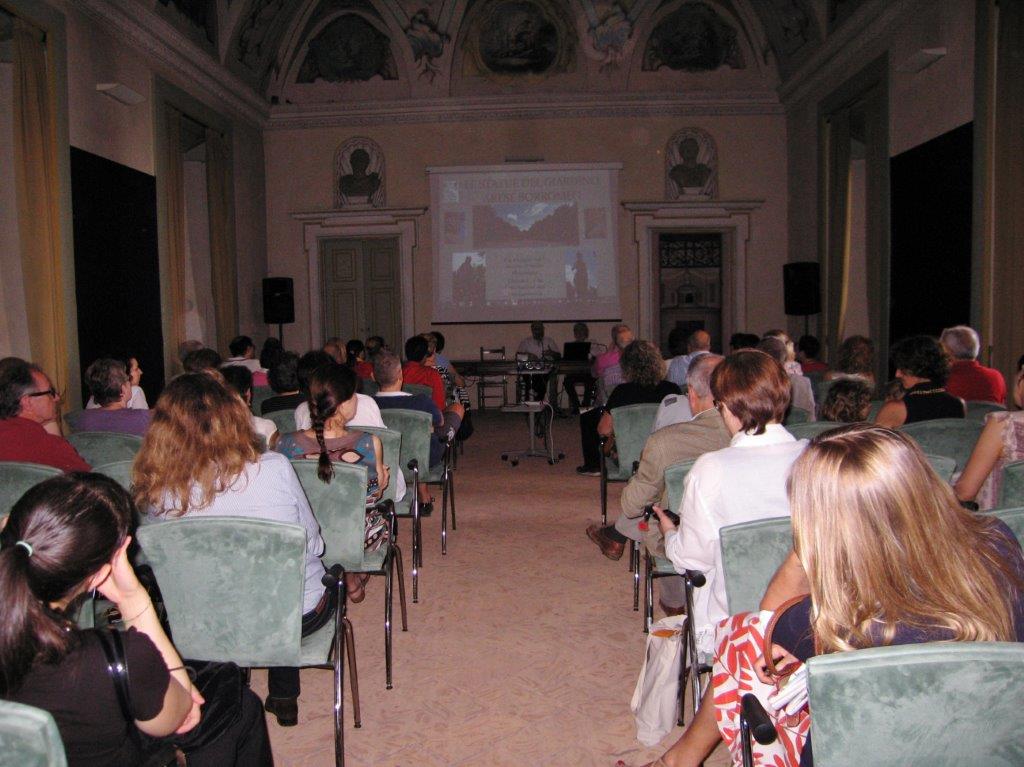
{"x":360,"y":286}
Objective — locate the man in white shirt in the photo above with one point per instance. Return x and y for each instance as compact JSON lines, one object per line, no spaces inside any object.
{"x":538,"y":346}
{"x":741,"y":483}
{"x":243,"y":352}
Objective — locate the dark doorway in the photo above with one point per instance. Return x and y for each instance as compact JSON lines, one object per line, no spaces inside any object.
{"x":117,"y":274}
{"x":931,"y":236}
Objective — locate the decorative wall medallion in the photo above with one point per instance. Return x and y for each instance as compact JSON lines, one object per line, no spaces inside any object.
{"x":519,"y":37}
{"x":349,"y":49}
{"x":609,"y":40}
{"x":693,"y":38}
{"x":427,"y":43}
{"x":359,"y":174}
{"x":691,"y":165}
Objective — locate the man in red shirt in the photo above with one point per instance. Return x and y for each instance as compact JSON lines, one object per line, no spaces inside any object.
{"x":968,"y":378}
{"x":414,"y":371}
{"x":28,"y":402}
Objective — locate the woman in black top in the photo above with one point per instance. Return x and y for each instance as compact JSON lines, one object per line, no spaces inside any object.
{"x":644,"y":370}
{"x":922,"y":366}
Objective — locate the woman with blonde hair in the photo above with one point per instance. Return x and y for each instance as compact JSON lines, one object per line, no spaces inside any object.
{"x":201,"y":456}
{"x":885,"y":547}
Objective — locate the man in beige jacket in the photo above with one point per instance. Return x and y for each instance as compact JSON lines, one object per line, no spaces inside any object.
{"x":678,"y":442}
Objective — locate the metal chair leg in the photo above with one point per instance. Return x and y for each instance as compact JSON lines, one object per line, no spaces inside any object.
{"x":350,"y":641}
{"x":691,"y":580}
{"x":444,"y":517}
{"x":389,"y":599}
{"x":401,"y":587}
{"x":648,"y":592}
{"x":451,"y":494}
{"x":634,"y":566}
{"x":340,"y":636}
{"x":604,"y":487}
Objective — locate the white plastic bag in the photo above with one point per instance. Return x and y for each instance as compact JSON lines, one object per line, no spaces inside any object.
{"x":657,"y":690}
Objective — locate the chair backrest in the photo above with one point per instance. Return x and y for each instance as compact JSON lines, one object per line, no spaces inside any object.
{"x":675,"y":480}
{"x":391,"y":442}
{"x":340,"y":508}
{"x":951,"y":437}
{"x":232,"y":586}
{"x":811,"y":429}
{"x":283,"y":419}
{"x":71,"y":419}
{"x":632,"y":428}
{"x":260,"y":393}
{"x":978,"y":410}
{"x":876,"y":405}
{"x":1014,"y":519}
{"x":916,"y":705}
{"x":29,"y":737}
{"x":497,"y":353}
{"x":411,"y":388}
{"x":16,"y":478}
{"x":117,"y":470}
{"x":415,"y":427}
{"x":751,"y":553}
{"x":1011,"y":491}
{"x":944,"y":466}
{"x":797,"y":415}
{"x":820,"y":388}
{"x":369,"y":387}
{"x":100,"y":447}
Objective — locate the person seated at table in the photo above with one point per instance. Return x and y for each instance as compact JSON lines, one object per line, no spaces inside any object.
{"x":538,"y":347}
{"x":1001,"y":441}
{"x":239,"y":380}
{"x":922,"y":366}
{"x":848,"y":492}
{"x":111,"y":389}
{"x":644,"y":370}
{"x":847,"y":401}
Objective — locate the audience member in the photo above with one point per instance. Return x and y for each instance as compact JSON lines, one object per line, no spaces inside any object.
{"x":335,"y":348}
{"x":243,"y":352}
{"x":1001,"y":441}
{"x":644,"y":370}
{"x":802,"y":390}
{"x":697,"y":344}
{"x":808,"y":348}
{"x":442,"y":361}
{"x":454,"y":384}
{"x":847,"y":401}
{"x":665,"y":447}
{"x":740,"y":483}
{"x":791,"y":365}
{"x":68,"y":536}
{"x":239,"y":380}
{"x":922,"y":366}
{"x":137,"y":400}
{"x":271,"y":353}
{"x":416,"y":371}
{"x":739,"y":341}
{"x":581,"y":334}
{"x":201,"y":455}
{"x":969,"y":379}
{"x":185,"y":348}
{"x":854,"y":359}
{"x":284,"y":380}
{"x":607,"y":368}
{"x":891,"y":391}
{"x":374,"y":344}
{"x":849,"y":491}
{"x":355,"y":356}
{"x":111,"y":389}
{"x":200,"y":360}
{"x":28,"y":403}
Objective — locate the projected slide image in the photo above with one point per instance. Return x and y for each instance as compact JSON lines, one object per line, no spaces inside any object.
{"x":525,"y":224}
{"x":595,"y":223}
{"x":469,"y":279}
{"x":516,"y":277}
{"x":454,"y":227}
{"x":580,"y":275}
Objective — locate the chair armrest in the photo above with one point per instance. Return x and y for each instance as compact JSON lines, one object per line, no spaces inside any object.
{"x":757,"y":720}
{"x":334,"y":577}
{"x":694,"y":578}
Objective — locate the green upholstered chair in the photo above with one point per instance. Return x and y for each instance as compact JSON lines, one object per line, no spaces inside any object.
{"x":797,"y":415}
{"x":29,"y":737}
{"x":876,"y":405}
{"x":340,"y":508}
{"x":71,"y":419}
{"x":233,"y":589}
{"x":283,"y":419}
{"x":100,"y":447}
{"x":941,"y":703}
{"x":751,"y":553}
{"x":820,"y":388}
{"x":121,"y":471}
{"x":811,"y":429}
{"x":16,"y":478}
{"x":259,"y":394}
{"x":632,"y":424}
{"x":1011,"y":491}
{"x":1014,"y":519}
{"x":977,"y":411}
{"x":411,"y":388}
{"x":416,"y":428}
{"x":952,"y":437}
{"x":944,"y":467}
{"x":369,"y":387}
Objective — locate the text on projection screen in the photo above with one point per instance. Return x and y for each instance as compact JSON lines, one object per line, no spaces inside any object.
{"x":525,"y":242}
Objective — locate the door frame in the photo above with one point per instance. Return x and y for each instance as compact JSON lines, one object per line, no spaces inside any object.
{"x":397,"y":223}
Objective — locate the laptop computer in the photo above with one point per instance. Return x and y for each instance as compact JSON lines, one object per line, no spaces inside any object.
{"x":576,"y":351}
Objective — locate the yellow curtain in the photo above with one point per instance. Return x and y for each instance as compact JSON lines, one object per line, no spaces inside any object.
{"x":177,"y":250}
{"x":224,"y":282}
{"x":38,"y":194}
{"x":837,"y":261}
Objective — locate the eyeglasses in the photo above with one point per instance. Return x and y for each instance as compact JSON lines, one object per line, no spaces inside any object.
{"x":51,"y":392}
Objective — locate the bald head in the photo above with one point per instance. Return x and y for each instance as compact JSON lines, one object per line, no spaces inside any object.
{"x":622,"y":336}
{"x":699,"y":341}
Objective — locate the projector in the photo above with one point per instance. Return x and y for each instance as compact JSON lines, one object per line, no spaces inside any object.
{"x":530,"y":366}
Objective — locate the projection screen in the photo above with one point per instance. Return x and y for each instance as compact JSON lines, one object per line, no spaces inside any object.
{"x":525,"y":242}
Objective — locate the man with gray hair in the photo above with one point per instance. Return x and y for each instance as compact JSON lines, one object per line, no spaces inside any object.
{"x":969,"y":379}
{"x":706,"y":432}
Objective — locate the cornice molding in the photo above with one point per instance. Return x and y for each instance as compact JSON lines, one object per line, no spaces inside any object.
{"x":359,"y":216}
{"x":840,"y":49}
{"x":523,"y":107}
{"x":161,"y":43}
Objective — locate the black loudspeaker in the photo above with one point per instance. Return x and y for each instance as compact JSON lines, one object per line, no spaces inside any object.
{"x":802,"y":287}
{"x":278,"y":300}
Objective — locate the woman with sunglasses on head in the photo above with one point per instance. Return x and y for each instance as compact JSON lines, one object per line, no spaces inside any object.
{"x":65,"y":537}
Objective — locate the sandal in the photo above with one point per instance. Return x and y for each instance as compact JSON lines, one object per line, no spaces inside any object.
{"x":357,"y":592}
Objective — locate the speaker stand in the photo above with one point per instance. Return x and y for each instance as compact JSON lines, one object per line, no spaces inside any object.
{"x":280,"y":333}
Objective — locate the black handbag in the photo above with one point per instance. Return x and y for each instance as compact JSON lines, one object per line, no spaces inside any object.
{"x":220,"y":684}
